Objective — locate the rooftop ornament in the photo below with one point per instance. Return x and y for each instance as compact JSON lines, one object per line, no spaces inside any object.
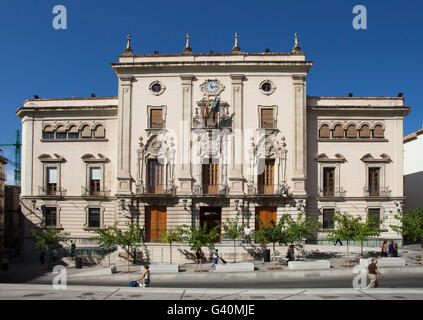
{"x":236,"y":48}
{"x":187,"y":48}
{"x":128,"y":49}
{"x":296,"y":48}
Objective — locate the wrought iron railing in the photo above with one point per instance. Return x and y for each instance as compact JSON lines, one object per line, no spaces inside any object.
{"x":377,"y":192}
{"x":336,"y":192}
{"x":58,"y":192}
{"x":146,"y":189}
{"x":211,"y":190}
{"x":87,"y":192}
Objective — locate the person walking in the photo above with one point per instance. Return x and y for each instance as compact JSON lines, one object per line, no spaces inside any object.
{"x":391,"y":249}
{"x":395,"y":249}
{"x":73,"y":247}
{"x":373,"y":272}
{"x":291,"y":253}
{"x":338,"y":240}
{"x":384,"y":252}
{"x":144,"y":280}
{"x":215,"y":257}
{"x":198,"y":255}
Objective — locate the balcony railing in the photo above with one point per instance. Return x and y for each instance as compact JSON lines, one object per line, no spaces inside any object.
{"x":211,"y":190}
{"x":381,"y":192}
{"x":3,"y":176}
{"x":280,"y":190}
{"x":145,"y":189}
{"x":222,"y":120}
{"x":335,"y":193}
{"x":59,"y":192}
{"x":102,"y":192}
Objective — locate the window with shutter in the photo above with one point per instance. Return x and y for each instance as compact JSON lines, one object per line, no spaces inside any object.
{"x":86,"y":132}
{"x":329,"y":219}
{"x":210,"y":177}
{"x":328,"y":182}
{"x":99,"y":132}
{"x":48,"y":132}
{"x":365,"y":131}
{"x":324,"y":131}
{"x":50,"y":216}
{"x":338,"y":131}
{"x":378,"y":132}
{"x":73,"y":132}
{"x":266,"y":179}
{"x":267,"y":120}
{"x":374,"y":182}
{"x":156,"y":118}
{"x":352,"y":131}
{"x":61,"y":132}
{"x":155,"y":176}
{"x":51,"y":181}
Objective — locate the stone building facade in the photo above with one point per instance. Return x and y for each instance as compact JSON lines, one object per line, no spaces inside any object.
{"x":3,"y":178}
{"x":197,"y":137}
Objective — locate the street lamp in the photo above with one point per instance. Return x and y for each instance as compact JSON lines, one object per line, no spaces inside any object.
{"x":236,"y":204}
{"x":185,"y":201}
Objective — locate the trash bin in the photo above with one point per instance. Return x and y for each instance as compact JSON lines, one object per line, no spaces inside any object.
{"x":267,"y":255}
{"x":78,"y":263}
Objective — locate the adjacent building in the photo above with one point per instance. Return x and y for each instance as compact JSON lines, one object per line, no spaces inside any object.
{"x":3,"y":178}
{"x":197,"y":137}
{"x":413,"y":170}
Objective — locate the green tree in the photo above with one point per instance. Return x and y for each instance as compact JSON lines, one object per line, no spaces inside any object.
{"x":201,"y":236}
{"x":233,"y":230}
{"x":107,"y":238}
{"x":48,"y":238}
{"x":171,"y":236}
{"x":371,"y":228}
{"x":299,"y":228}
{"x":411,"y":227}
{"x":128,"y":239}
{"x":273,"y":233}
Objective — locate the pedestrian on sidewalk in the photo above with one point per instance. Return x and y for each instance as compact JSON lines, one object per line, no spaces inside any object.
{"x":73,"y":247}
{"x":373,"y":273}
{"x":215,"y":257}
{"x":198,"y":255}
{"x":384,"y":249}
{"x":338,"y":240}
{"x":391,"y":249}
{"x":291,"y":253}
{"x":144,"y":280}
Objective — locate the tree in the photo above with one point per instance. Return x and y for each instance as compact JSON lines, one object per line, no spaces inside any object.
{"x":411,"y":227}
{"x":233,"y":230}
{"x":107,"y":238}
{"x":347,"y":228}
{"x":48,"y":238}
{"x":300,"y":228}
{"x":273,"y":233}
{"x":171,"y":236}
{"x":128,"y":239}
{"x":200,"y":236}
{"x":371,"y":228}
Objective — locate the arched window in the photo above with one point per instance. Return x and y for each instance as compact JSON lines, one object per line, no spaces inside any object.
{"x":324,"y":131}
{"x":61,"y":132}
{"x":99,"y":132}
{"x":378,"y":131}
{"x":73,"y":132}
{"x":338,"y":131}
{"x":365,"y":131}
{"x":48,"y":132}
{"x":352,"y":131}
{"x":86,"y":132}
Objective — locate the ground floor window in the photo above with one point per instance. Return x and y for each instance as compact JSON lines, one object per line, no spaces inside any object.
{"x":50,"y":216}
{"x":212,"y":216}
{"x":329,"y":219}
{"x":94,"y":218}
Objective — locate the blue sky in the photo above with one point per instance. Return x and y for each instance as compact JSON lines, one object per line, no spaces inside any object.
{"x":383,"y":60}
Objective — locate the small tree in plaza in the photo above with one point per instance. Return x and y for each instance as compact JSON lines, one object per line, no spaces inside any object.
{"x":299,"y":228}
{"x":371,"y":228}
{"x":273,"y":233}
{"x":411,"y":227}
{"x":128,"y":239}
{"x":171,"y":236}
{"x":48,"y":238}
{"x":107,"y":238}
{"x":233,"y":230}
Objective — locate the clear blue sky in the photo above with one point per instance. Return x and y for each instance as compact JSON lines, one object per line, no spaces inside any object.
{"x":383,"y":60}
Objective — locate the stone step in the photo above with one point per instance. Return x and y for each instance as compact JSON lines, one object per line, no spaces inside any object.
{"x":309,"y":265}
{"x":235,"y":267}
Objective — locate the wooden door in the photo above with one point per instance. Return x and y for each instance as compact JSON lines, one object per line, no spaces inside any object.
{"x":266,"y":214}
{"x":374,"y":181}
{"x":210,"y":178}
{"x":266,"y":179}
{"x":328,"y":182}
{"x":155,"y":221}
{"x":155,"y":176}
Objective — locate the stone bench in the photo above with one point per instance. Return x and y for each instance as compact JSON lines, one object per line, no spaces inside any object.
{"x":97,"y":272}
{"x":384,"y":262}
{"x":235,"y":267}
{"x":164,"y":268}
{"x":309,"y":265}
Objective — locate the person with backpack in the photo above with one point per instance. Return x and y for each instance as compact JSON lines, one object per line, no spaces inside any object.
{"x":144,"y":280}
{"x":215,"y":257}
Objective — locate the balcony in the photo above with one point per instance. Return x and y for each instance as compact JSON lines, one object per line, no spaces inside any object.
{"x":94,"y":193}
{"x":336,"y":193}
{"x":3,"y":176}
{"x":220,"y":120}
{"x":276,"y":190}
{"x":143,"y":189}
{"x":51,"y":192}
{"x":382,"y":192}
{"x":216,"y":190}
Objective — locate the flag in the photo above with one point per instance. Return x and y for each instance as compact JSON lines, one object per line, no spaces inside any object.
{"x":213,"y":108}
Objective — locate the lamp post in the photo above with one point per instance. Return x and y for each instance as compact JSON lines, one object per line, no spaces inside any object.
{"x":185,"y":201}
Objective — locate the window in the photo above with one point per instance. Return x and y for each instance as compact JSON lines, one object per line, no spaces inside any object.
{"x":51,"y":181}
{"x":50,"y":216}
{"x":210,"y":177}
{"x":73,"y":132}
{"x":378,"y":132}
{"x":365,"y":131}
{"x":328,"y":182}
{"x":155,"y":176}
{"x":267,"y":121}
{"x":374,"y":182}
{"x":338,"y":131}
{"x":352,"y":131}
{"x":324,"y":132}
{"x":48,"y":132}
{"x":99,"y":132}
{"x":86,"y":132}
{"x":94,"y":218}
{"x":156,"y":119}
{"x":156,"y":87}
{"x":374,"y":215}
{"x":329,"y":219}
{"x":266,"y":87}
{"x":266,"y":179}
{"x":95,"y":181}
{"x":61,"y":133}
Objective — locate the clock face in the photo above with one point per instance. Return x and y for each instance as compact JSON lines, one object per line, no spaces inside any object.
{"x":211,"y":86}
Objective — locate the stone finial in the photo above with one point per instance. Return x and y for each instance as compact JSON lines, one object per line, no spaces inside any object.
{"x":187,"y":48}
{"x":236,"y":48}
{"x":296,"y":48}
{"x":140,"y":143}
{"x":128,"y":49}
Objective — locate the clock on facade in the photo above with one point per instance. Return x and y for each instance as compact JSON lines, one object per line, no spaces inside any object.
{"x":211,"y":86}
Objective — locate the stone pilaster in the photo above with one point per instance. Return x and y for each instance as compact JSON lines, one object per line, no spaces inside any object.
{"x":124,"y":135}
{"x":185,"y":177}
{"x":300,"y":135}
{"x":27,"y":156}
{"x":236,"y":179}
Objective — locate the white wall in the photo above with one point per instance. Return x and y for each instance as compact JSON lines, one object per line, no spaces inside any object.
{"x":413,"y":173}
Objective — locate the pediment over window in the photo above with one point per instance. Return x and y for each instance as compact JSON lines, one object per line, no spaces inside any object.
{"x":48,"y":158}
{"x":323,"y":157}
{"x":369,"y":158}
{"x":88,"y":157}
